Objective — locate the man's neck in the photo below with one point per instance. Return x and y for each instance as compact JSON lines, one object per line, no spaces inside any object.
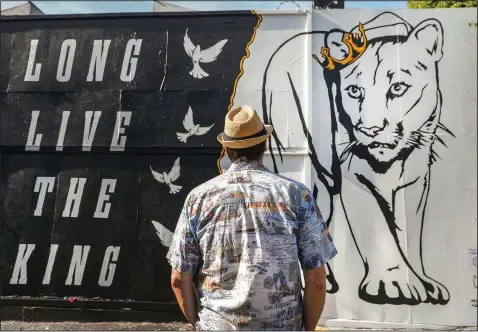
{"x":244,"y":163}
{"x":251,"y":160}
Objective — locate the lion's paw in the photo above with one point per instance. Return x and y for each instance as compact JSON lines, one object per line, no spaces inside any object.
{"x":392,"y":287}
{"x":436,"y":292}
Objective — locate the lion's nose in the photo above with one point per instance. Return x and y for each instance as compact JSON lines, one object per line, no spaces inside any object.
{"x":372,"y":131}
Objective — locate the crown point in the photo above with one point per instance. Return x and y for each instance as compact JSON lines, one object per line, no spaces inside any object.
{"x":355,"y":49}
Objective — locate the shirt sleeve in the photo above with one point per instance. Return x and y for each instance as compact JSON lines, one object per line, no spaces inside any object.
{"x":315,"y":244}
{"x":184,"y":254}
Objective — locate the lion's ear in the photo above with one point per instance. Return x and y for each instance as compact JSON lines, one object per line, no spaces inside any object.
{"x":429,"y":34}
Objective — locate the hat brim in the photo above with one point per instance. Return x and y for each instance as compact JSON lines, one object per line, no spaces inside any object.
{"x":246,"y":143}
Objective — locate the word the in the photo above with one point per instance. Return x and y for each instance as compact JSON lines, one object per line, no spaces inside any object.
{"x":45,"y":184}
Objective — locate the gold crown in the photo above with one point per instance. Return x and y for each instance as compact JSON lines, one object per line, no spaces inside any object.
{"x":355,"y":50}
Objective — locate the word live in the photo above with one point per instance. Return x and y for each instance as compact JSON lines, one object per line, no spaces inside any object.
{"x":92,"y":118}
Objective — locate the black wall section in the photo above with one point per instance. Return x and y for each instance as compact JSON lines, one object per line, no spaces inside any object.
{"x":116,"y":255}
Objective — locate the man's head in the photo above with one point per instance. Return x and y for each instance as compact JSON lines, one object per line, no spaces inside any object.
{"x":255,"y":152}
{"x":245,"y":135}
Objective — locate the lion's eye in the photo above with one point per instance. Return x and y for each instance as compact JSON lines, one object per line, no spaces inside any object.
{"x":354,"y":91}
{"x":397,"y":90}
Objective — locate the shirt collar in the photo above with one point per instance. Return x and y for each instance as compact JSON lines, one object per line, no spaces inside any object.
{"x":243,"y":163}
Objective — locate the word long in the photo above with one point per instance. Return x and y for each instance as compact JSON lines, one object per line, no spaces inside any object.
{"x":78,"y":262}
{"x":96,"y":69}
{"x":118,"y":141}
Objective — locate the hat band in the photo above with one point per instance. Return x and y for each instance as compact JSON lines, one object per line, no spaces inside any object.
{"x":229,"y":138}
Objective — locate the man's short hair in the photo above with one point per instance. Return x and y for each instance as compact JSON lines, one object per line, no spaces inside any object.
{"x":252,"y":153}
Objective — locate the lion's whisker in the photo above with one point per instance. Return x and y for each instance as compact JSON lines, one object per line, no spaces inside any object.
{"x":442,"y":127}
{"x":348,"y":149}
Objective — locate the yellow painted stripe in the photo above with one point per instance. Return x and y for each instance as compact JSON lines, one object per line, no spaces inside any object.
{"x":241,"y":72}
{"x":320,"y":328}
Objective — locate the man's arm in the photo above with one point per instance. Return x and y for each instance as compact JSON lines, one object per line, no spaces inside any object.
{"x":315,"y":247}
{"x":184,"y":256}
{"x":314,"y":296}
{"x":183,"y":288}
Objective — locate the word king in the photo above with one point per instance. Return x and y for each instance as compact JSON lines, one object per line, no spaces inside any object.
{"x":76,"y":270}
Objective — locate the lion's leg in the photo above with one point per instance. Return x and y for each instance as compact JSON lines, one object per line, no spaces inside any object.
{"x":378,"y":241}
{"x":416,"y":196}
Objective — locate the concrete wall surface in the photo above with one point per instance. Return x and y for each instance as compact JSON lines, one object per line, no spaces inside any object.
{"x":166,"y":6}
{"x":26,"y":9}
{"x":374,"y":111}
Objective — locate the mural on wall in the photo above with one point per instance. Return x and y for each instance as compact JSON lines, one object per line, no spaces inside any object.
{"x":108,"y":130}
{"x":379,"y":105}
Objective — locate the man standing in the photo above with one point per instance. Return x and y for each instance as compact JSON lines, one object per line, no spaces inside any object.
{"x":246,"y":231}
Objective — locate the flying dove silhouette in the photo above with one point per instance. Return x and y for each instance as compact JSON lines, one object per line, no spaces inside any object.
{"x":205,"y":56}
{"x":169,"y":178}
{"x":193,"y":129}
{"x":165,"y":235}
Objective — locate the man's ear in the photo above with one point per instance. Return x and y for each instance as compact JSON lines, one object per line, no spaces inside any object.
{"x":429,"y":34}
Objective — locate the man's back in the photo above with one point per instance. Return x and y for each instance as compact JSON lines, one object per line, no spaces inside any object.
{"x":249,"y":228}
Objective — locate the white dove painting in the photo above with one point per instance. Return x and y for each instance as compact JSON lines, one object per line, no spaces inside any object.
{"x":165,"y":235}
{"x":169,"y":178}
{"x":191,"y":128}
{"x":205,"y":56}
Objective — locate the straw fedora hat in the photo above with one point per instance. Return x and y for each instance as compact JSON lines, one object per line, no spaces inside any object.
{"x":243,"y":128}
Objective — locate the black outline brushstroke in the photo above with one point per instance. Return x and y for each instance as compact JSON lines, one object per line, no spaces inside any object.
{"x":330,"y":275}
{"x":320,"y":175}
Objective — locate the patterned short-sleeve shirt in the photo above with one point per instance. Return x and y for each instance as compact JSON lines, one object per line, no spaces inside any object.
{"x":246,"y":231}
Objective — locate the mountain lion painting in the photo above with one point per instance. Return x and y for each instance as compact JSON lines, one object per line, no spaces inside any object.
{"x":382,"y":85}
